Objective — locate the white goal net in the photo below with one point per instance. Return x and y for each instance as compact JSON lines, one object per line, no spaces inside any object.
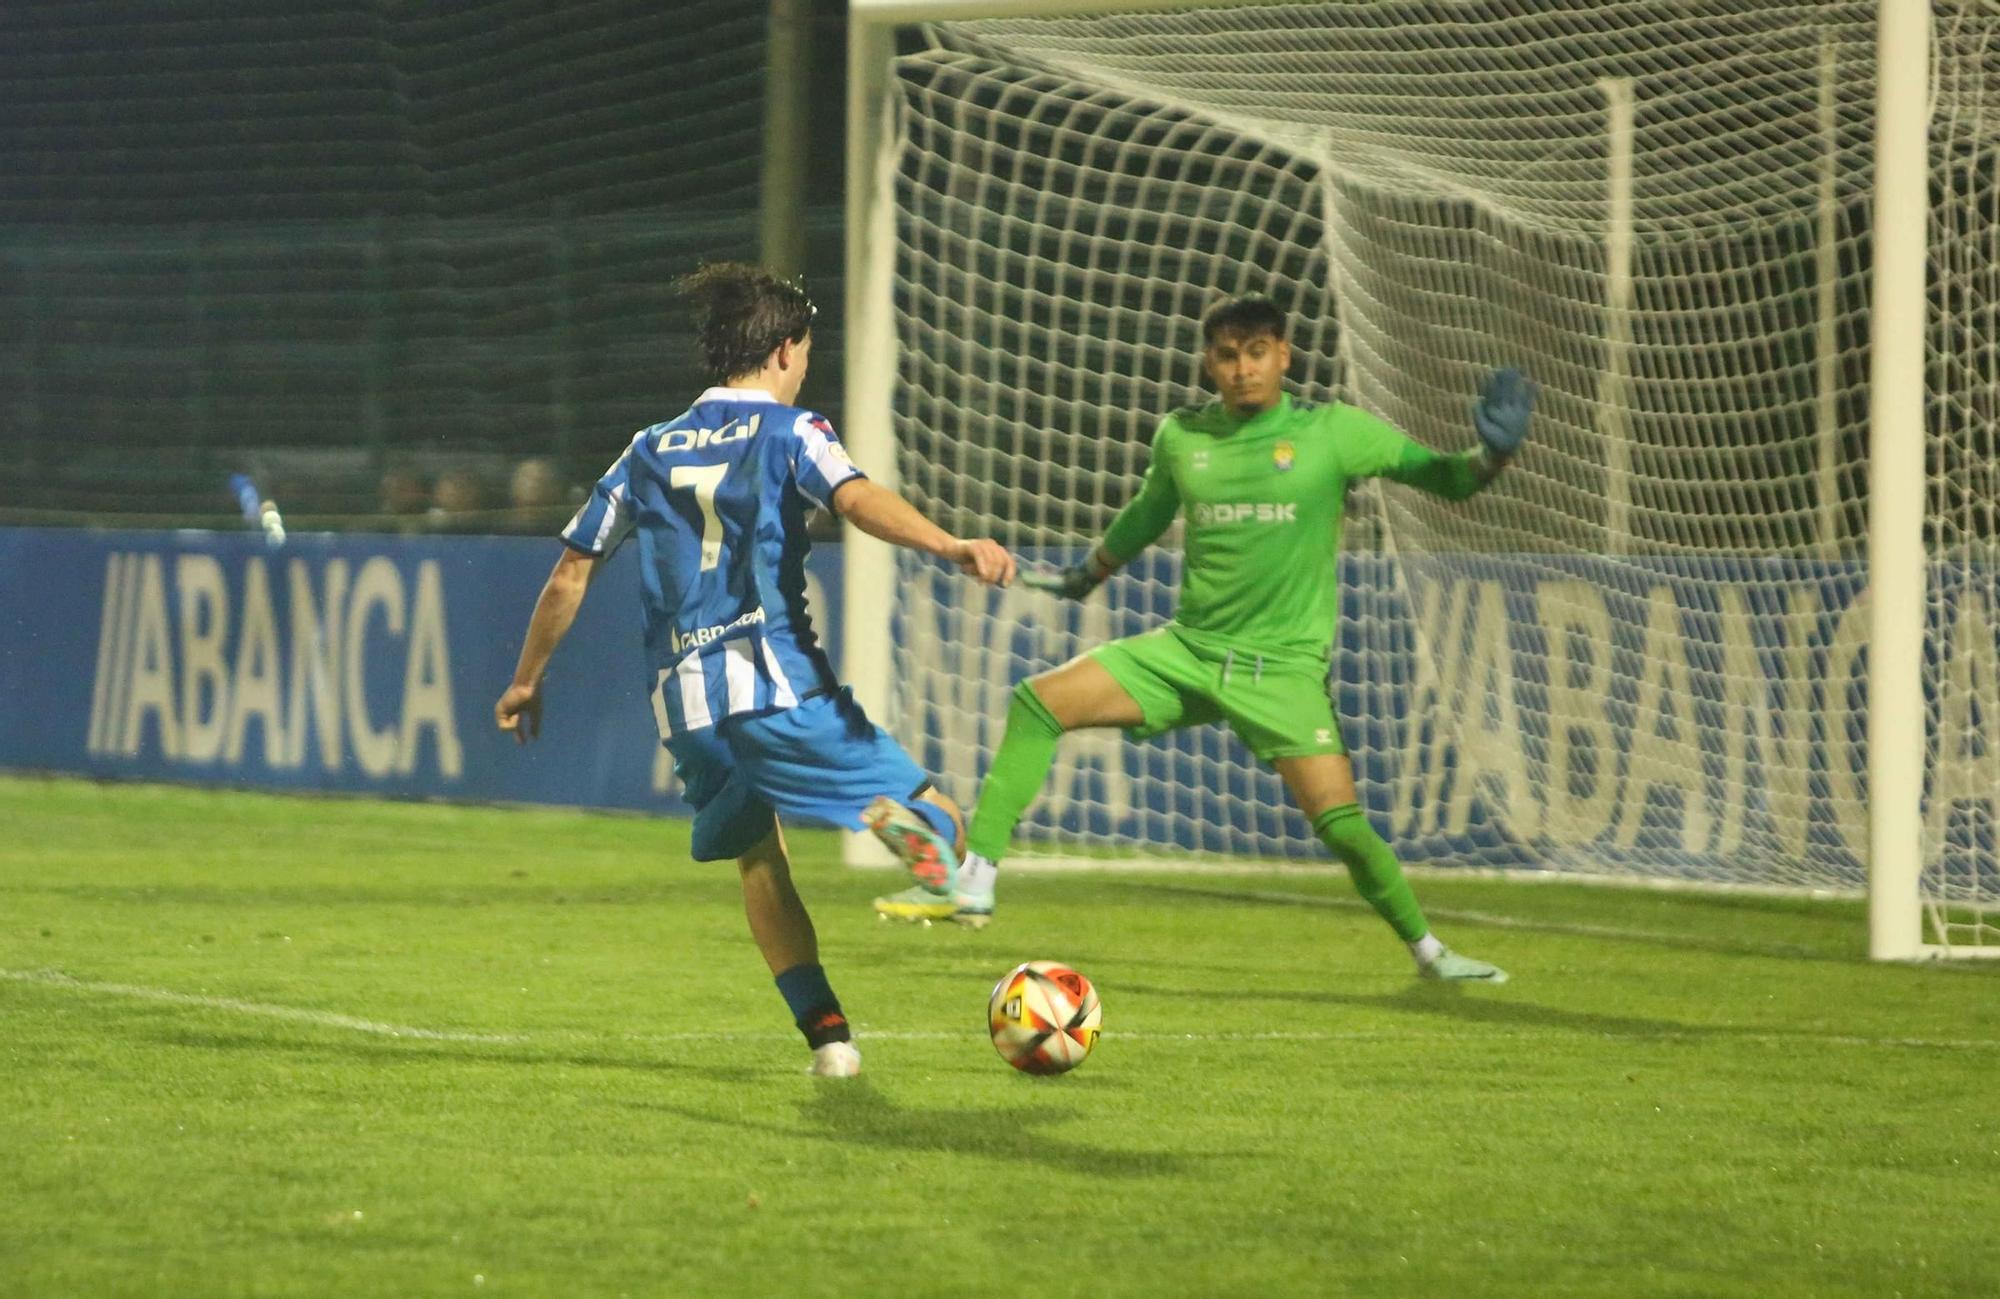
{"x":1643,"y":652}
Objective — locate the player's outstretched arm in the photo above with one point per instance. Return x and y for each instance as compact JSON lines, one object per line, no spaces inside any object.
{"x":1076,"y":581}
{"x":519,"y":709}
{"x":886,"y":516}
{"x":1499,"y":416}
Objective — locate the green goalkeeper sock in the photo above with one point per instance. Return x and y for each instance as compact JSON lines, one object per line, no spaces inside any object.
{"x":1017,"y":773}
{"x":1377,"y":876}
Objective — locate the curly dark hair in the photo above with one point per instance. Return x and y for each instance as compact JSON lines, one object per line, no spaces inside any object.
{"x":743,"y":312}
{"x":1248,"y":314}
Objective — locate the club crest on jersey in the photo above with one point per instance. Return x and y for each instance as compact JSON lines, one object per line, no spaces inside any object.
{"x":1282,"y":456}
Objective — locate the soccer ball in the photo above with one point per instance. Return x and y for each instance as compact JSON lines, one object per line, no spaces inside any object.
{"x":1044,"y":1017}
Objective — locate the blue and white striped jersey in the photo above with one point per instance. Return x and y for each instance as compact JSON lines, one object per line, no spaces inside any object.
{"x":718,"y":500}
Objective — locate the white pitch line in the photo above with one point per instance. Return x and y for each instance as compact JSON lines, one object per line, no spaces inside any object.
{"x":323,"y":1018}
{"x":332,"y":1019}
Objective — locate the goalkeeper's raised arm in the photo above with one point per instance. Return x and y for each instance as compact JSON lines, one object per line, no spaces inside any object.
{"x":1260,"y":481}
{"x":1368,"y":445}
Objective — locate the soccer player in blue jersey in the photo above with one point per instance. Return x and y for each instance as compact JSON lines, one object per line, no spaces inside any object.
{"x":760,"y":728}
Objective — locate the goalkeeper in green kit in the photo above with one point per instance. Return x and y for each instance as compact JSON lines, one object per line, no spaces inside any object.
{"x":1261,"y":480}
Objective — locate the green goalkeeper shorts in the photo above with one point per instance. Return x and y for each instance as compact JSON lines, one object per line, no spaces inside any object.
{"x":1277,"y":710}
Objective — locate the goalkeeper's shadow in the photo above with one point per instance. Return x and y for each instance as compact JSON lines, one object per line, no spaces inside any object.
{"x":1693,"y":942}
{"x":1498,"y":1008}
{"x":1452,"y":1000}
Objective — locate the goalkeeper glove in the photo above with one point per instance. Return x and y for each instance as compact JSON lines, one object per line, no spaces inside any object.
{"x":1072,"y":583}
{"x":1501,"y":413}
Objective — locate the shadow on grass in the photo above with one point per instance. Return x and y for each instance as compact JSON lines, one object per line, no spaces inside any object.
{"x":412,"y":1051}
{"x":1851,"y":949}
{"x":1453,"y":1001}
{"x":852,"y":1112}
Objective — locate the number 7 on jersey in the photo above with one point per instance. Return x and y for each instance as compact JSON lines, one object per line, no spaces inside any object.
{"x":706,"y":480}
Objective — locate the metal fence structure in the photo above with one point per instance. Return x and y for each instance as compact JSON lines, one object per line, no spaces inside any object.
{"x":375,"y":255}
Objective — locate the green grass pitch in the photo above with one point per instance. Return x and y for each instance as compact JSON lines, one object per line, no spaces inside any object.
{"x":270,"y":1046}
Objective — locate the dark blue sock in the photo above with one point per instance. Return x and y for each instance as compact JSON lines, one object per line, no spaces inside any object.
{"x":814,"y":1007}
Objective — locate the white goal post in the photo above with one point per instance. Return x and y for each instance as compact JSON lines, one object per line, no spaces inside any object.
{"x":1731,"y":619}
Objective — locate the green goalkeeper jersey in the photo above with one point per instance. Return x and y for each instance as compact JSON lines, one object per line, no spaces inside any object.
{"x":1264,"y":500}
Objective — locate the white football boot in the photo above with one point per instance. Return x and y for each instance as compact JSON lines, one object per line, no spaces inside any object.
{"x":1452,"y":967}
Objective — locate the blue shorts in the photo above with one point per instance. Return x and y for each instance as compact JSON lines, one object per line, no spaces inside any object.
{"x":821,"y":762}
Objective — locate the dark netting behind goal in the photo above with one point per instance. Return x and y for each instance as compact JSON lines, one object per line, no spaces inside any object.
{"x":318,"y":243}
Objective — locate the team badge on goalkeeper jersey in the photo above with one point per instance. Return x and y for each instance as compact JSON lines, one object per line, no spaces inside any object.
{"x":1282,"y":456}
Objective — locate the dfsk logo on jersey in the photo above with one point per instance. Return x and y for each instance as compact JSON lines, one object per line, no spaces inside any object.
{"x":1247,"y":512}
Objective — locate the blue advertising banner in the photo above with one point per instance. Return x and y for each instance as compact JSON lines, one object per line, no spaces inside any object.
{"x":348,"y":663}
{"x":1688,"y":717}
{"x":1697,"y":718}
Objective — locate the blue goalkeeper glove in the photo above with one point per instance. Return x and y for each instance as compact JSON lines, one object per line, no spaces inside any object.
{"x":1501,"y":413}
